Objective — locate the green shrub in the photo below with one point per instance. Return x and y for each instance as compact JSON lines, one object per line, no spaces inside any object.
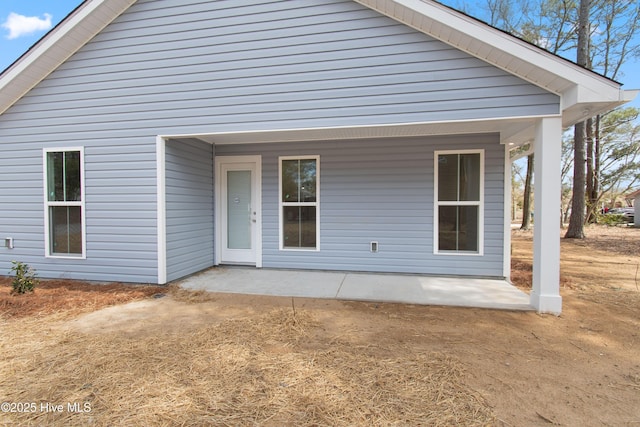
{"x":25,"y":279}
{"x":612,"y":219}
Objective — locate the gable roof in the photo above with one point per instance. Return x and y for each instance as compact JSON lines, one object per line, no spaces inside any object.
{"x":80,"y":26}
{"x":584,"y":93}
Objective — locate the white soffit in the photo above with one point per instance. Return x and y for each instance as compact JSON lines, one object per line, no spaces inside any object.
{"x":506,"y":128}
{"x":57,"y":46}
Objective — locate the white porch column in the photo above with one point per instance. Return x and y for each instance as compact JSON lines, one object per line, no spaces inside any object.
{"x":161,"y":149}
{"x":545,"y":295}
{"x":506,"y":266}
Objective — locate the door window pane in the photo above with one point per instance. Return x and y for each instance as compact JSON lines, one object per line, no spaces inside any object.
{"x":239,"y":209}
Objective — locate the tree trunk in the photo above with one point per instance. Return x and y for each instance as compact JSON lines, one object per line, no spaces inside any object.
{"x":596,"y":160}
{"x":576,"y":222}
{"x":591,"y":198}
{"x":526,"y":204}
{"x":567,"y":211}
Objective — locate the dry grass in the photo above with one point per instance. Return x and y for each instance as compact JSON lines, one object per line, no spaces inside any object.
{"x":189,"y":296}
{"x":522,"y":276}
{"x":621,"y":240}
{"x":276,"y":367}
{"x":265,"y":370}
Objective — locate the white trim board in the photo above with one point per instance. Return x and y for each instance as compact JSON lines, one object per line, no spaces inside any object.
{"x":161,"y":208}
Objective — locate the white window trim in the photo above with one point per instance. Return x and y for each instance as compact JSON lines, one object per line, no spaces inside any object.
{"x":282,"y":204}
{"x":437,"y":204}
{"x":48,"y":204}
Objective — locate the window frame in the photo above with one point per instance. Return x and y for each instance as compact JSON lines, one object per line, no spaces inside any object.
{"x":282,"y":205}
{"x":437,"y":204}
{"x":48,"y":204}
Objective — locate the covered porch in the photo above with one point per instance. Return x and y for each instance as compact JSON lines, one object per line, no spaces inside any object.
{"x":426,"y":287}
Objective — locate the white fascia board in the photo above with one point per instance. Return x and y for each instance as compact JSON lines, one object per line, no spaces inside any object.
{"x":581,"y":105}
{"x":56,"y":47}
{"x":629,"y":95}
{"x":580,"y":94}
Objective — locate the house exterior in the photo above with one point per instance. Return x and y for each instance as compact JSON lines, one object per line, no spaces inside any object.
{"x":634,"y":198}
{"x":143,"y":141}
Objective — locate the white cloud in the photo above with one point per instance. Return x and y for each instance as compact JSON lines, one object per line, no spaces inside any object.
{"x":20,"y":25}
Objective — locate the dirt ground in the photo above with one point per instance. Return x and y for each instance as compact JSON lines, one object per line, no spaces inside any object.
{"x":218,"y":359}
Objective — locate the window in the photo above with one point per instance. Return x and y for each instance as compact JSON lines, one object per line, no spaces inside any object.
{"x":299,"y":202}
{"x":459,"y":187}
{"x":64,"y":202}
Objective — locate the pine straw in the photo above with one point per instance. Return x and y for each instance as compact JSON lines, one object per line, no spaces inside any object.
{"x":72,"y":297}
{"x":266,"y":370}
{"x":621,"y":240}
{"x":522,"y":275}
{"x":189,"y":296}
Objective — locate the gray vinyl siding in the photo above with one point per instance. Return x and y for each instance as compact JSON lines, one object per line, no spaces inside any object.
{"x":176,"y":67}
{"x":120,"y":208}
{"x":189,"y":207}
{"x":180,"y":67}
{"x":380,"y":190}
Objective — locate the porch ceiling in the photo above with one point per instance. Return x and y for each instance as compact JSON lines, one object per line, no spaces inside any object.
{"x":515,"y":131}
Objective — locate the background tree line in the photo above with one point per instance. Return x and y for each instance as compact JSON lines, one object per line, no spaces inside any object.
{"x":602,"y":154}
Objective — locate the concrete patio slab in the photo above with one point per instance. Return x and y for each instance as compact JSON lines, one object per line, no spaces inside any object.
{"x":410,"y":289}
{"x":253,"y":281}
{"x":427,"y":290}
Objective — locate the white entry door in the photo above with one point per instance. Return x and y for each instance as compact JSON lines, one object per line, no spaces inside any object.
{"x":238,"y":210}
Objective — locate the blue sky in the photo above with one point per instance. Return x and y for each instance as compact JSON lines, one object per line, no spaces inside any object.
{"x":18,"y":34}
{"x":23,"y":22}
